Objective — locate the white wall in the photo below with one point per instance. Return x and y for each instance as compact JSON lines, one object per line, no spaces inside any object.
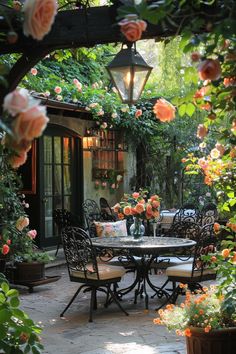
{"x":78,"y":126}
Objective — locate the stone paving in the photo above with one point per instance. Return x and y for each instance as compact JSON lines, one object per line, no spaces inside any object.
{"x":111,"y":332}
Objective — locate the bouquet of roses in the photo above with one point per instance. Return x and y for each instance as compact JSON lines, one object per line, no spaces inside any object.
{"x":138,"y":205}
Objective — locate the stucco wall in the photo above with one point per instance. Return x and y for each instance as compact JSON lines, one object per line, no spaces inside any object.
{"x":78,"y":126}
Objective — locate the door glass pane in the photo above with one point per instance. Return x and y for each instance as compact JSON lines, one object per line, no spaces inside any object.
{"x":67,"y":150}
{"x":48,"y":218}
{"x":57,"y":149}
{"x":67,"y":180}
{"x":57,"y":179}
{"x":48,"y":179}
{"x":47,"y":145}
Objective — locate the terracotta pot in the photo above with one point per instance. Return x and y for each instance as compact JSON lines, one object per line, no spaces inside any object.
{"x":28,"y":272}
{"x":220,"y":341}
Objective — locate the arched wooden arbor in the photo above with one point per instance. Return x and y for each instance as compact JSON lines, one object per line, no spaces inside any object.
{"x":73,"y":29}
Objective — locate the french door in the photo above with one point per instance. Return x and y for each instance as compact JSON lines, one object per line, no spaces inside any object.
{"x":61,"y":179}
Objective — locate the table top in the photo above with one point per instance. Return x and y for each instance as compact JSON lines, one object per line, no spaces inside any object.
{"x":146,"y":243}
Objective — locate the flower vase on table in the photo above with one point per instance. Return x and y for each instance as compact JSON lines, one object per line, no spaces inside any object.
{"x":137,"y":229}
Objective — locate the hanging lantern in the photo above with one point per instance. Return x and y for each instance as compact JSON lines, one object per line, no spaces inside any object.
{"x":129,"y":73}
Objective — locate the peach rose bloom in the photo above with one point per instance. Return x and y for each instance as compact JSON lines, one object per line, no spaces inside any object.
{"x":203,"y":163}
{"x":120,"y":216}
{"x":135,"y":195}
{"x":209,"y":69}
{"x":18,"y":160}
{"x":155,"y":203}
{"x":31,"y":123}
{"x":220,"y":147}
{"x":16,"y":101}
{"x":22,"y":146}
{"x":164,"y":110}
{"x":22,"y":222}
{"x":233,"y":259}
{"x":57,"y":89}
{"x":127,"y":210}
{"x":133,"y":211}
{"x":225,"y":253}
{"x":138,"y":113}
{"x":154,"y":197}
{"x":156,"y":214}
{"x":139,"y":208}
{"x":34,"y":71}
{"x":132,"y":30}
{"x":116,"y":207}
{"x":148,"y":216}
{"x":201,"y":131}
{"x":216,"y":227}
{"x":148,"y":209}
{"x":39,"y":16}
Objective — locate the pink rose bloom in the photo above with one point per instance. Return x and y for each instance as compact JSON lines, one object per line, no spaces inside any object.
{"x":135,"y":195}
{"x":32,"y":234}
{"x":22,"y":222}
{"x":164,"y":110}
{"x":75,"y":82}
{"x":104,"y":125}
{"x":39,"y":17}
{"x":22,"y":146}
{"x":101,"y":113}
{"x":113,"y":186}
{"x":31,"y":123}
{"x":5,"y":249}
{"x":209,"y":69}
{"x":201,"y":131}
{"x":16,"y":101}
{"x":18,"y":160}
{"x":138,"y":113}
{"x":34,"y":71}
{"x":104,"y":184}
{"x":132,"y":30}
{"x":58,"y":89}
{"x":195,"y":56}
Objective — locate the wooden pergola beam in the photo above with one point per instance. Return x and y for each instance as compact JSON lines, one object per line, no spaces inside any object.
{"x":80,"y":28}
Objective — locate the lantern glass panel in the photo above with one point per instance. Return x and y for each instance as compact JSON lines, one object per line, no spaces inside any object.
{"x":140,"y":78}
{"x":122,"y":79}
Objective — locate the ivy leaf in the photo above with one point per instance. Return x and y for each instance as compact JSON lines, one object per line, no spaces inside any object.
{"x":182,"y":110}
{"x":190,"y":109}
{"x":14,"y":301}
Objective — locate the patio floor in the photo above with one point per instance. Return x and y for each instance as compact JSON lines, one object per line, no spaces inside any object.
{"x":111,"y":332}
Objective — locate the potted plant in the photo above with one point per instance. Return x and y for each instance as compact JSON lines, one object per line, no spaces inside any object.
{"x":208,"y":319}
{"x":19,"y":334}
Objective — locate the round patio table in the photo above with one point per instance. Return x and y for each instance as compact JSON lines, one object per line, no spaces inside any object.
{"x":141,"y":253}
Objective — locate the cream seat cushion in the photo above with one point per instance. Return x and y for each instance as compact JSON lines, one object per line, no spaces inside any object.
{"x":105,"y":271}
{"x":164,"y":262}
{"x":185,"y":270}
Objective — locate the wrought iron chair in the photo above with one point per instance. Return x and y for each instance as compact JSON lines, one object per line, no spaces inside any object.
{"x":209,"y":214}
{"x":181,"y":229}
{"x":91,"y":213}
{"x":62,"y":218}
{"x":83,"y":268}
{"x":106,"y":211}
{"x":195,"y":272}
{"x":188,"y":212}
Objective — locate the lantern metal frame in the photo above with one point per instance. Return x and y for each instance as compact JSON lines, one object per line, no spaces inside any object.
{"x":91,"y":140}
{"x":130,"y":58}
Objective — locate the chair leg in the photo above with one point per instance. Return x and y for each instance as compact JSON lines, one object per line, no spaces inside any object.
{"x":116,"y":301}
{"x":92,"y":302}
{"x":73,"y":298}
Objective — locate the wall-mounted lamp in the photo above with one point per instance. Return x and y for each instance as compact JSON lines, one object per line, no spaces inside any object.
{"x":91,"y":139}
{"x":129,"y":73}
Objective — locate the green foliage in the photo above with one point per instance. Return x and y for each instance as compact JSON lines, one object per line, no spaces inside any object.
{"x":18,"y":333}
